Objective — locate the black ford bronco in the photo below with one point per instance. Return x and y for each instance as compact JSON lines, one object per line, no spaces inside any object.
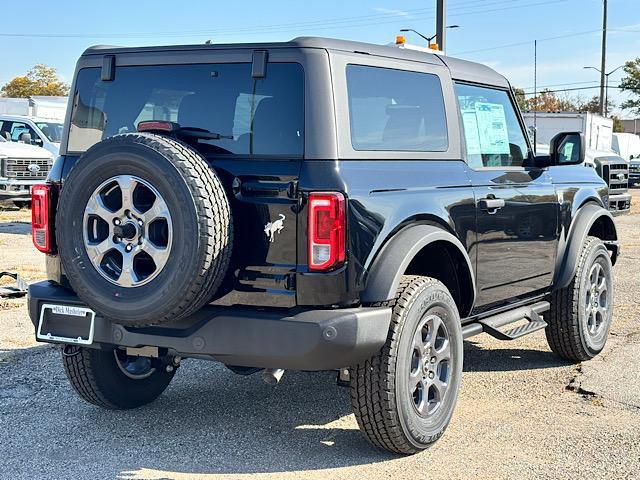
{"x":311,"y":205}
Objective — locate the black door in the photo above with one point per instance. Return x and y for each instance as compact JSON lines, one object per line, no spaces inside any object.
{"x":516,"y":205}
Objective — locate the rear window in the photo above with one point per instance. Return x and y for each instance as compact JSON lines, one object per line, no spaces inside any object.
{"x":396,"y":110}
{"x":253,"y":116}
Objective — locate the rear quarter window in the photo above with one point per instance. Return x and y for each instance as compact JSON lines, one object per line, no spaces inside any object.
{"x":396,"y":110}
{"x":252,"y":116}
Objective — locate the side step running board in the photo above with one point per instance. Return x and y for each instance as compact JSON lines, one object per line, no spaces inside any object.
{"x":491,"y":325}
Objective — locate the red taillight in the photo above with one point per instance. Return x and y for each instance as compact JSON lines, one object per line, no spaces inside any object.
{"x":327,"y":225}
{"x":156,"y":126}
{"x":40,"y":222}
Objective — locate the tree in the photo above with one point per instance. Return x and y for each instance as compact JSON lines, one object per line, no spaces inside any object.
{"x":618,"y":126}
{"x":548,"y":101}
{"x":521,"y":98}
{"x":631,"y":83}
{"x":40,"y":80}
{"x":593,"y":105}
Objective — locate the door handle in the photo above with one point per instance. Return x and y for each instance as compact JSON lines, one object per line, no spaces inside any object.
{"x":491,"y":205}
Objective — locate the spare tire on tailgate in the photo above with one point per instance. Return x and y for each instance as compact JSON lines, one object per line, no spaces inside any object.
{"x":144,"y":229}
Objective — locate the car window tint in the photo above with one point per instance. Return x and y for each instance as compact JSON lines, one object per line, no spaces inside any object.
{"x":396,"y":110}
{"x":262,"y":116}
{"x":493,"y":135}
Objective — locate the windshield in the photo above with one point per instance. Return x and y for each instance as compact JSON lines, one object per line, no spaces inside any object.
{"x":251,"y":116}
{"x":53,"y":131}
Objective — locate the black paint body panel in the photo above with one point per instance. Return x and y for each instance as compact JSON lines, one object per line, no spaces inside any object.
{"x":514,"y":252}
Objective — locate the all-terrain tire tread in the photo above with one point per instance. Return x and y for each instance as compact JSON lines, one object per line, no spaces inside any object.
{"x":79,"y":370}
{"x":372,"y":396}
{"x":563,"y":327}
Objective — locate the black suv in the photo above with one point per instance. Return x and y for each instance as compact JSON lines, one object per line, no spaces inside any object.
{"x":311,"y":205}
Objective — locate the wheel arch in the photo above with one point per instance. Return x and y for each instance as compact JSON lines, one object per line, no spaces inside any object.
{"x":427,"y":250}
{"x":590,"y":219}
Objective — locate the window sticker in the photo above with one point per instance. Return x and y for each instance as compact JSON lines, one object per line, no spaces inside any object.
{"x":471,"y":134}
{"x":492,"y":127}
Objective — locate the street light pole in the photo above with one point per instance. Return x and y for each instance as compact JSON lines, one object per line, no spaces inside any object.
{"x":606,"y":76}
{"x":441,"y":22}
{"x":603,"y":64}
{"x":428,"y":39}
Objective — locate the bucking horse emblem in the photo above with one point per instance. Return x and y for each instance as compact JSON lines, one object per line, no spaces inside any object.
{"x":271,"y":228}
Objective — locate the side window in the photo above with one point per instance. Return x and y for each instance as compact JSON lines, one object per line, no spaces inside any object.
{"x":19,"y":128}
{"x":493,"y":135}
{"x":5,"y":129}
{"x":396,"y":110}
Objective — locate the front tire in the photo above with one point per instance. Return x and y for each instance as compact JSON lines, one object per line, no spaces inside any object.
{"x":404,"y":397}
{"x":581,"y":313}
{"x":112,"y":380}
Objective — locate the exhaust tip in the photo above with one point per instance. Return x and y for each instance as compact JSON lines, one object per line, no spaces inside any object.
{"x":272,"y":376}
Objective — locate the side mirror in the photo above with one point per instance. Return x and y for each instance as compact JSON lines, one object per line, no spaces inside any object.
{"x":567,"y":148}
{"x":38,"y":141}
{"x":25,"y":137}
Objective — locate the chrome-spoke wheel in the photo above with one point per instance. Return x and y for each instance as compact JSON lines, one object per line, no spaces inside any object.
{"x":430,"y":371}
{"x":127,"y":231}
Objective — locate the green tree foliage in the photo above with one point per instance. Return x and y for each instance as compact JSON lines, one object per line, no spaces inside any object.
{"x":40,"y":80}
{"x":631,"y":83}
{"x":521,"y":98}
{"x":618,"y":126}
{"x":593,"y":105}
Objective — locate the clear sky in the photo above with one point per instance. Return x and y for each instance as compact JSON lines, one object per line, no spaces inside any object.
{"x":56,"y":33}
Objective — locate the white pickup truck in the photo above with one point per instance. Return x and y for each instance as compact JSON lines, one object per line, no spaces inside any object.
{"x":21,"y":167}
{"x":41,"y":132}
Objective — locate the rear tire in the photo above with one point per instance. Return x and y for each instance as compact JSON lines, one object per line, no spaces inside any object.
{"x":580,"y":316}
{"x":99,"y":378}
{"x":393,"y":414}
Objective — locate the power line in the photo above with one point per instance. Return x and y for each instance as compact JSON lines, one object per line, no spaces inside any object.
{"x":530,"y":94}
{"x":459,"y":9}
{"x":561,"y":84}
{"x":528,"y":42}
{"x":545,"y":39}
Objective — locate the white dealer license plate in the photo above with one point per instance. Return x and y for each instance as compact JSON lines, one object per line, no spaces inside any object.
{"x":66,"y":324}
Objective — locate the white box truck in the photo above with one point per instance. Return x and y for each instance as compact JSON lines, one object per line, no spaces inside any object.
{"x":51,"y":108}
{"x":627,"y":145}
{"x":597,"y":130}
{"x":598,"y":133}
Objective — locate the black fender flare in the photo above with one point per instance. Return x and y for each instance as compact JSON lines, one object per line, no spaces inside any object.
{"x":388,"y":268}
{"x":567,"y":260}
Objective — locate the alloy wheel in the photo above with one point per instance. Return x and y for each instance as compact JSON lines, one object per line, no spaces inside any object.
{"x":430,"y":370}
{"x":127,"y":231}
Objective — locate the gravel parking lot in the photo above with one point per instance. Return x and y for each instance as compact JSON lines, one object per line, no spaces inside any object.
{"x":523,"y":413}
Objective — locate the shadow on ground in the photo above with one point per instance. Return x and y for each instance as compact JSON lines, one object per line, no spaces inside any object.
{"x":17,"y":228}
{"x":478,"y":358}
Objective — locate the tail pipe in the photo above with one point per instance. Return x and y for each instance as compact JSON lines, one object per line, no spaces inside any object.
{"x":272,"y":376}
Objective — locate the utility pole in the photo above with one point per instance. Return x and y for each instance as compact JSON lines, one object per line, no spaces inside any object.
{"x":535,"y":93}
{"x":603,"y":66}
{"x":441,"y":22}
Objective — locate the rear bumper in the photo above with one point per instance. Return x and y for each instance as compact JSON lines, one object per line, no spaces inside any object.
{"x":16,"y":190}
{"x":306,"y":340}
{"x":620,"y":203}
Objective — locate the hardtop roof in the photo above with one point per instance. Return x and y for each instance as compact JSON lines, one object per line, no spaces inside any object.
{"x":460,"y":69}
